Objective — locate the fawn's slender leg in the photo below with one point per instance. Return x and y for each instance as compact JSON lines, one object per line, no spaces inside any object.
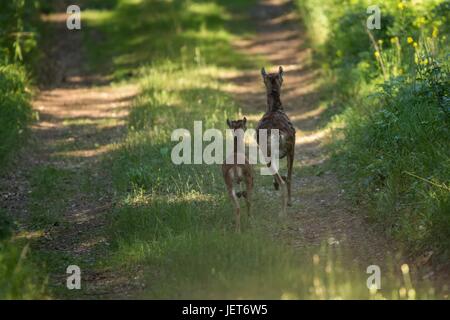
{"x":276,"y":185}
{"x":237,"y":209}
{"x":282,"y":184}
{"x":290,"y":161}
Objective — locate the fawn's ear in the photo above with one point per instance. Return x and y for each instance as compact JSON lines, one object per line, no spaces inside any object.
{"x":263,"y":72}
{"x":280,"y":71}
{"x":229,"y":123}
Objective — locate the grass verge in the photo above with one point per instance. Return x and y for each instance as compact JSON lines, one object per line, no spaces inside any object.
{"x":388,"y":89}
{"x":18,"y":49}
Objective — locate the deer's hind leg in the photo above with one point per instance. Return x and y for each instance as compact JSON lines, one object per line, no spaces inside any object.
{"x":279,"y":182}
{"x":276,"y":184}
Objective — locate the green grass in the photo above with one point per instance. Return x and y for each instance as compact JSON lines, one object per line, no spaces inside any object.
{"x":18,"y":276}
{"x":180,"y":32}
{"x":46,"y":184}
{"x":18,"y":49}
{"x":15,"y":109}
{"x":405,"y":166}
{"x":172,"y":226}
{"x":174,"y":223}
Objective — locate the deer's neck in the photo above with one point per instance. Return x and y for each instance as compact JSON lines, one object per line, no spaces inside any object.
{"x":274,"y":101}
{"x":238,"y":143}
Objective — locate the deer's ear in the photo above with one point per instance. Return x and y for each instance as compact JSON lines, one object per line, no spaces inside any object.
{"x":229,"y":123}
{"x":245,"y":120}
{"x":263,"y":72}
{"x":280,"y":71}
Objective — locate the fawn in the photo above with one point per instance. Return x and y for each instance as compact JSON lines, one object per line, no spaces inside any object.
{"x":236,"y":170}
{"x":275,"y":118}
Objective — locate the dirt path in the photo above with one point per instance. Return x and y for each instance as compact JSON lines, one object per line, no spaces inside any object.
{"x":318,"y":203}
{"x":81,"y":117}
{"x":320,"y":213}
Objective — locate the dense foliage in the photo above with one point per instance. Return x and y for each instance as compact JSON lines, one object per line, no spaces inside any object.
{"x":390,"y":90}
{"x":18,"y":42}
{"x":17,"y":29}
{"x":14,"y":107}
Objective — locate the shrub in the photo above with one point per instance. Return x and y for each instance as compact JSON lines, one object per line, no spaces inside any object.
{"x":394,"y":129}
{"x":18,"y":276}
{"x":17,"y":29}
{"x":15,"y":110}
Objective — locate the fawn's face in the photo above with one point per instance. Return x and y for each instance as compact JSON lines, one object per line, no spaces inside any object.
{"x":237,"y":124}
{"x":273,"y":81}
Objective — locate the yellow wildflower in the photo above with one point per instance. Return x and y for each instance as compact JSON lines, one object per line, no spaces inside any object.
{"x":415,"y":44}
{"x":401,"y":5}
{"x":394,"y":39}
{"x":410,"y":40}
{"x":435,"y":32}
{"x":376,"y":54}
{"x":421,"y":21}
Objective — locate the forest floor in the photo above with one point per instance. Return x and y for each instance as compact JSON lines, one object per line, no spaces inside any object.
{"x":82,"y":117}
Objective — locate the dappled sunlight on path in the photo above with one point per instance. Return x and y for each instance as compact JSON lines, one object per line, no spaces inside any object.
{"x":320,"y":213}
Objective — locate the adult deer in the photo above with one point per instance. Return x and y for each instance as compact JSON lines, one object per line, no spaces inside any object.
{"x":237,"y":169}
{"x":276,"y":118}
